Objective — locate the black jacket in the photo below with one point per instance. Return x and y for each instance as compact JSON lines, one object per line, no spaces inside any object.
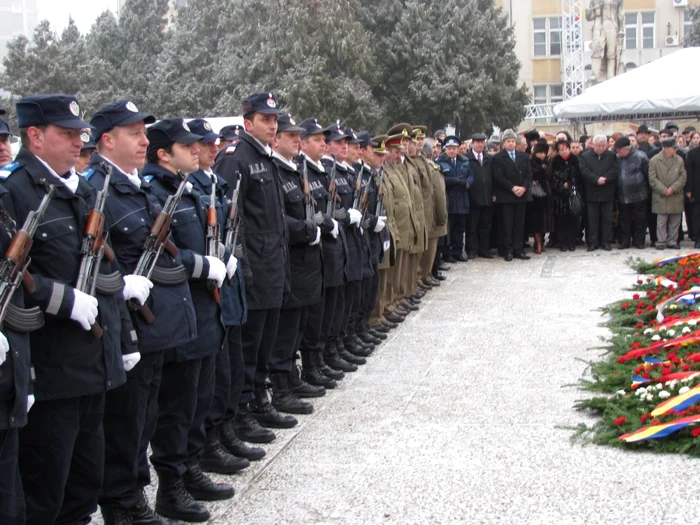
{"x":131,"y":212}
{"x":481,"y":190}
{"x":507,"y":174}
{"x":189,"y":234}
{"x":594,"y":166}
{"x":263,"y":233}
{"x":692,"y":167}
{"x":563,"y":172}
{"x":68,"y":361}
{"x":372,"y":242}
{"x":305,"y":262}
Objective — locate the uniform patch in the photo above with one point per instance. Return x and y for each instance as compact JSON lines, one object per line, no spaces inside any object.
{"x":6,"y":171}
{"x":148,"y":178}
{"x":88,"y":173}
{"x":230,"y":149}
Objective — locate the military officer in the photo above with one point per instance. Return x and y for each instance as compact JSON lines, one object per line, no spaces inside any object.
{"x":187,"y":384}
{"x":422,"y":197}
{"x":61,"y":453}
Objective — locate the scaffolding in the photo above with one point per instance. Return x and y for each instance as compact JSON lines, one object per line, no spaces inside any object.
{"x":572,"y":66}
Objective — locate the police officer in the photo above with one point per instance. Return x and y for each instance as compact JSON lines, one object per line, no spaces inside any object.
{"x":222,"y":444}
{"x":227,"y":136}
{"x":61,"y":453}
{"x":315,"y":370}
{"x":264,"y":260}
{"x":458,"y":179}
{"x":132,"y":409}
{"x":187,"y":385}
{"x":306,"y":270}
{"x":5,"y":147}
{"x":15,"y":388}
{"x":335,"y":160}
{"x":85,"y":152}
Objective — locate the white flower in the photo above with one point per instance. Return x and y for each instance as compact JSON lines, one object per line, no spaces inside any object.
{"x":621,"y":393}
{"x":648,"y":331}
{"x":663,"y":328}
{"x":648,"y":397}
{"x":671,"y":332}
{"x":678,"y":323}
{"x":672,"y":384}
{"x":686,"y":330}
{"x":658,"y":386}
{"x":657,"y":337}
{"x":664,"y":395}
{"x":692,"y":322}
{"x":684,"y":389}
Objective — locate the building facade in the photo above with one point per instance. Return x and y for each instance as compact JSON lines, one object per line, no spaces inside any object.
{"x":17,"y":17}
{"x":652,"y":29}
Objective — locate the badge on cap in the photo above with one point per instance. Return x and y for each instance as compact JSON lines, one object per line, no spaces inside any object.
{"x":317,"y":124}
{"x":207,"y":126}
{"x":85,"y":137}
{"x":132,"y":107}
{"x":271,"y":101}
{"x":184,"y":125}
{"x":291,"y":121}
{"x":74,"y":108}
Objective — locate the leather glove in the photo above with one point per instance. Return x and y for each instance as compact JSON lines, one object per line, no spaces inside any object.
{"x":137,"y":287}
{"x":231,"y":266}
{"x":84,"y":310}
{"x":131,"y":360}
{"x":355,"y":216}
{"x":4,"y":347}
{"x":30,"y":402}
{"x":381,"y":224}
{"x":387,"y":245}
{"x":318,"y":237}
{"x":217,"y":270}
{"x":334,"y":232}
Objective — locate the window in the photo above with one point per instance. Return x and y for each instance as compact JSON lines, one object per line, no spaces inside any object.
{"x":540,"y":95}
{"x":631,"y":30}
{"x":556,"y":94}
{"x":648,"y":30}
{"x":546,"y":36}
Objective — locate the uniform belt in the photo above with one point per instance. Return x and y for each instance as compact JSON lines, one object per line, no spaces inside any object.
{"x":109,"y":284}
{"x":23,"y":321}
{"x":169,"y":276}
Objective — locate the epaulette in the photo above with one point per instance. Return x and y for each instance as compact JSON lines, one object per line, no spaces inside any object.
{"x":148,"y":178}
{"x":7,"y":170}
{"x":434,"y":164}
{"x":231,"y":149}
{"x":88,"y":173}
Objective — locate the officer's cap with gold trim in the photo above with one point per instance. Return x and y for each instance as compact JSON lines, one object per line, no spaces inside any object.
{"x":419,"y":131}
{"x":381,"y":141}
{"x":403,"y":129}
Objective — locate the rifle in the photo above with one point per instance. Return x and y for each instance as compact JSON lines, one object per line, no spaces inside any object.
{"x":213,"y":238}
{"x":157,"y":241}
{"x":233,"y":221}
{"x":379,"y":211}
{"x":94,"y":247}
{"x":13,"y":267}
{"x":332,"y":189}
{"x":311,"y":214}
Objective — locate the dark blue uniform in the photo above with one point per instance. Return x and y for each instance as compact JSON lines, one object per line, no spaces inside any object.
{"x":15,"y":386}
{"x":188,"y":373}
{"x":131,"y":410}
{"x":458,"y":179}
{"x":73,"y":368}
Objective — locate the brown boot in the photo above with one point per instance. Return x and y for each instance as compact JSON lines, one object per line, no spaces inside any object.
{"x":538,"y":243}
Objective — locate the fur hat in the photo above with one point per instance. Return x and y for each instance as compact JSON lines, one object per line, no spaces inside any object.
{"x":508,"y":134}
{"x":540,"y":147}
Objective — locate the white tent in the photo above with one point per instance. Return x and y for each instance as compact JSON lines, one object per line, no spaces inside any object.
{"x":664,"y":88}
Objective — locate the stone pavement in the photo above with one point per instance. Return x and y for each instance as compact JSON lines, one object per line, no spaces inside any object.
{"x":454,"y":419}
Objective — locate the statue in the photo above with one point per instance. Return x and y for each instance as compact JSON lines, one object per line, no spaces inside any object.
{"x":608,"y":38}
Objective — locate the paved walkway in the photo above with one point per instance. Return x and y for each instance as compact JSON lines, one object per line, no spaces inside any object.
{"x":454,"y":419}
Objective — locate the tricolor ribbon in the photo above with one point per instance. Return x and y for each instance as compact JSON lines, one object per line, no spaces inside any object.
{"x":660,"y":431}
{"x":678,"y":403}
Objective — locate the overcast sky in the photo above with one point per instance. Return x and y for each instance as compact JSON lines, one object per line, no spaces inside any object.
{"x":84,"y":12}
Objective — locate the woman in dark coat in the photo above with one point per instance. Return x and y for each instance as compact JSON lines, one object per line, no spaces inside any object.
{"x":565,"y":173}
{"x":539,"y":211}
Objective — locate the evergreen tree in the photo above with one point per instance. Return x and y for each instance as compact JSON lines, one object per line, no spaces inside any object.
{"x":692,"y":38}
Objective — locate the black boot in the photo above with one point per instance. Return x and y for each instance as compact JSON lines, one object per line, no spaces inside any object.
{"x":235,"y":446}
{"x":284,"y":400}
{"x":142,"y":513}
{"x":116,"y":516}
{"x":173,"y":501}
{"x":248,"y":429}
{"x":311,"y":372}
{"x":202,"y":487}
{"x":264,"y":413}
{"x":326,"y":370}
{"x":217,"y":459}
{"x":334,"y":360}
{"x":301,"y":388}
{"x":356,"y":348}
{"x":353,"y":359}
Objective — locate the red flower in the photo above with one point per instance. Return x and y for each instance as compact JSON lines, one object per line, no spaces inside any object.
{"x":639,"y":312}
{"x":639,"y":281}
{"x":620,"y":421}
{"x":685,"y":368}
{"x":650,"y":308}
{"x":635,"y":296}
{"x":640,"y":304}
{"x":695,"y":432}
{"x":665,"y":371}
{"x":643,"y":418}
{"x":625,"y":306}
{"x":639,"y":325}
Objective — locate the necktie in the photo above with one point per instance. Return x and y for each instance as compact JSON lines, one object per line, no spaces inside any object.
{"x":512,"y":155}
{"x":481,"y":160}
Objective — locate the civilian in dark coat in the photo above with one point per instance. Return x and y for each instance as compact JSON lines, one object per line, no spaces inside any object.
{"x":632,"y":193}
{"x":692,"y":190}
{"x":600,"y":170}
{"x":564,"y":177}
{"x":481,"y":198}
{"x":539,"y":210}
{"x":512,"y":179}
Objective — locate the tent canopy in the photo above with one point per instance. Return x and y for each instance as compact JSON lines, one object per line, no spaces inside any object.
{"x":664,"y":88}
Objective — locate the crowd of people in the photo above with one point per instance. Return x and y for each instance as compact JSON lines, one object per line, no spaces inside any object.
{"x":161,"y":282}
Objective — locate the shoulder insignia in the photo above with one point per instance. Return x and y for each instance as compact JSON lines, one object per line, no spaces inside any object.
{"x":7,"y":170}
{"x":148,"y":178}
{"x":88,"y":173}
{"x":231,"y":149}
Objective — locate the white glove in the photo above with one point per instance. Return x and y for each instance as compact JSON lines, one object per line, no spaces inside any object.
{"x":334,"y":232}
{"x":217,"y":270}
{"x":231,"y":266}
{"x":30,"y":402}
{"x":4,"y":347}
{"x":355,"y":216}
{"x":387,"y":245}
{"x":131,"y":360}
{"x":381,"y":223}
{"x":137,"y":287}
{"x":318,"y":237}
{"x":84,"y":310}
